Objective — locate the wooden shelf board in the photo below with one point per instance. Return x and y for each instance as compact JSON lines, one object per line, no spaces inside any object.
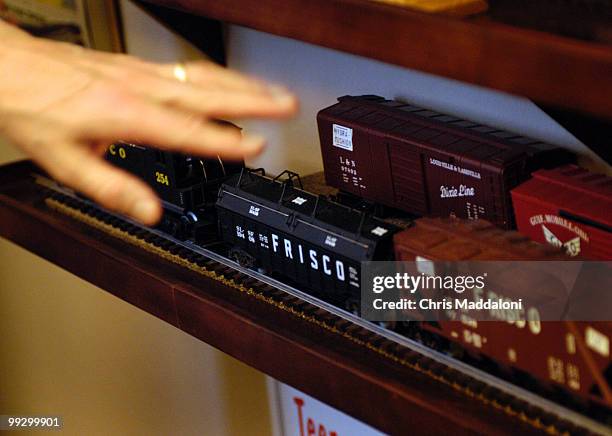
{"x":326,"y":365}
{"x":546,"y":67}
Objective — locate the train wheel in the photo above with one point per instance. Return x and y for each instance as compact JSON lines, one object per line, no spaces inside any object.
{"x":389,"y":325}
{"x":243,"y":258}
{"x":352,"y":306}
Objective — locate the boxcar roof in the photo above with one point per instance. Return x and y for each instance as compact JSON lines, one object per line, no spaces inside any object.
{"x":435,"y":131}
{"x":572,"y":189}
{"x":455,"y":240}
{"x":310,"y":207}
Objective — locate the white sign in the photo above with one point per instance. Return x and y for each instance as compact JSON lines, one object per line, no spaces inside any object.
{"x":297,"y":414}
{"x":343,"y":137}
{"x":379,"y":231}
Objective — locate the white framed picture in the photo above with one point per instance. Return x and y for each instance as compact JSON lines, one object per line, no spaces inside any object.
{"x":91,"y":23}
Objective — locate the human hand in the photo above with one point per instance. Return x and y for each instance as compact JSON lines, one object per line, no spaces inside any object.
{"x":63,"y":105}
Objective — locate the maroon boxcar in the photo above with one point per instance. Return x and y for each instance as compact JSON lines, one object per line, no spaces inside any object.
{"x":567,"y":207}
{"x":424,"y":162}
{"x":575,"y":355}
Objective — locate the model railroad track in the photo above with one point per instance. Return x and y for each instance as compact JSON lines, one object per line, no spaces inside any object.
{"x":526,"y":406}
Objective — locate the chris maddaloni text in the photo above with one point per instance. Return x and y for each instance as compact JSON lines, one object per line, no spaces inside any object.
{"x":448,"y":304}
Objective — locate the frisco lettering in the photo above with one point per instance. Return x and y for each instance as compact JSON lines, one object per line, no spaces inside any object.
{"x":291,"y":250}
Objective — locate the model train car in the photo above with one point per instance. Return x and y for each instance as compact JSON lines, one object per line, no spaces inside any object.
{"x":424,"y":162}
{"x":316,"y":243}
{"x":568,"y":207}
{"x":575,"y":355}
{"x":187,"y":185}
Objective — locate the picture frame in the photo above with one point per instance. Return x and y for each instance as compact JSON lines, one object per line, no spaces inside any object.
{"x":91,"y":23}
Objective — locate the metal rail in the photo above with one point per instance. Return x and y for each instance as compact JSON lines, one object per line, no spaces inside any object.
{"x":506,"y":387}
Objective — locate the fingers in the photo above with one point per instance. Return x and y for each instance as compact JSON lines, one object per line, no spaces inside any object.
{"x":164,"y":128}
{"x":204,"y":73}
{"x":215,"y":102}
{"x":157,"y":109}
{"x":208,"y":89}
{"x":227,"y":104}
{"x":114,"y":189}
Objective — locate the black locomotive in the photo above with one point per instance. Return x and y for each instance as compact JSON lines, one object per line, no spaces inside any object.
{"x":187,"y":185}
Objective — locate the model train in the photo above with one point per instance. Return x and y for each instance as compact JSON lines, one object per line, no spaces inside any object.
{"x":425,"y":162}
{"x":187,"y":185}
{"x":567,"y":207}
{"x":576,"y":354}
{"x":403,"y":158}
{"x":315,"y":243}
{"x":430,"y":164}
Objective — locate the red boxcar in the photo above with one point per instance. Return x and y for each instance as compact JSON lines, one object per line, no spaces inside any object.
{"x":567,"y":207}
{"x":425,"y":162}
{"x":575,"y":355}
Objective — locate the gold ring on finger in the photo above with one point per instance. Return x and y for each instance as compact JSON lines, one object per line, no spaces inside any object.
{"x":179,"y":72}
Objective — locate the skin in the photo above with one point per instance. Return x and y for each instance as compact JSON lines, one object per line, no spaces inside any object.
{"x":63,"y":105}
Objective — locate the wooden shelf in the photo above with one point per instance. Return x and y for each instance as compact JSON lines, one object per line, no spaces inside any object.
{"x":488,"y":50}
{"x":294,"y":350}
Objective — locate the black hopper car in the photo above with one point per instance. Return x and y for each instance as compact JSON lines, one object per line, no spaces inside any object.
{"x":187,"y":185}
{"x":313,"y":242}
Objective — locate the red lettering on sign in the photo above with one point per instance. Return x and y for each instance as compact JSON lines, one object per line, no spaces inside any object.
{"x":299,"y":402}
{"x":322,"y":431}
{"x":311,"y":426}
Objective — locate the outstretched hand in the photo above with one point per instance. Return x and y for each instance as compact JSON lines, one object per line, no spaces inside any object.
{"x":63,"y":105}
